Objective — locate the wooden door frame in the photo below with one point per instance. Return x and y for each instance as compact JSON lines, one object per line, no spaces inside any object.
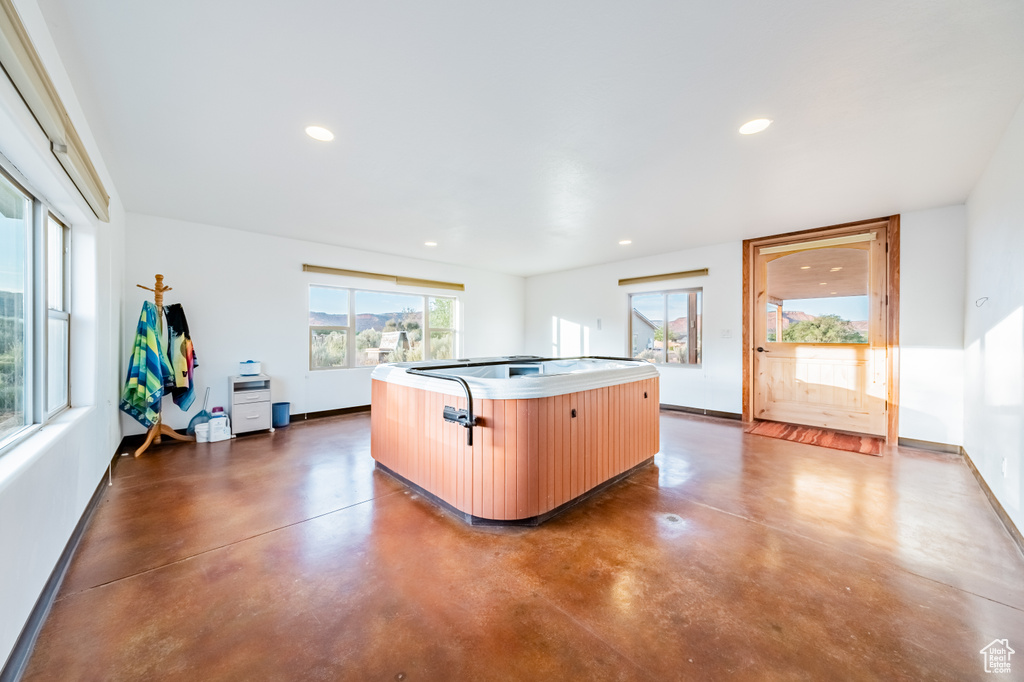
{"x":893,"y":311}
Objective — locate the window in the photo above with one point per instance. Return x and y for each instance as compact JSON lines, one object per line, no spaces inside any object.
{"x":15,"y":320}
{"x":361,"y":328}
{"x":58,"y":323}
{"x":819,"y":296}
{"x":34,"y":311}
{"x":680,"y":311}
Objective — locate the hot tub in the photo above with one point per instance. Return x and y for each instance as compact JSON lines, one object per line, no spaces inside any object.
{"x":541,"y":434}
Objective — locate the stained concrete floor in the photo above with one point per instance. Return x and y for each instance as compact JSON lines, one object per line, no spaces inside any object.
{"x":285,"y":556}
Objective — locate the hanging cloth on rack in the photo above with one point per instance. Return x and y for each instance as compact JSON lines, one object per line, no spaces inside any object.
{"x":147,"y":370}
{"x":182,"y":356}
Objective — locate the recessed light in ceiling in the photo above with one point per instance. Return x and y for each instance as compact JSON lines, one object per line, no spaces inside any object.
{"x":625,"y":242}
{"x":755,"y":126}
{"x":822,"y":283}
{"x":319,"y":133}
{"x":805,"y":267}
{"x":833,"y":293}
{"x":429,"y":243}
{"x":836,"y":269}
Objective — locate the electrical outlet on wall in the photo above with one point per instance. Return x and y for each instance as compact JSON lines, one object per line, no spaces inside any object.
{"x":726,"y":333}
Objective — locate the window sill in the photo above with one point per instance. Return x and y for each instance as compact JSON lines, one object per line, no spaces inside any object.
{"x":36,"y":440}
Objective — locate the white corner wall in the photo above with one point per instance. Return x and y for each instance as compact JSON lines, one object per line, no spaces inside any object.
{"x":932,"y":267}
{"x":47,"y":480}
{"x":246,"y":298}
{"x":994,"y":322}
{"x":573,"y":301}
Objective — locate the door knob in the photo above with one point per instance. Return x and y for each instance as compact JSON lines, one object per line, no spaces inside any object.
{"x":762,"y":350}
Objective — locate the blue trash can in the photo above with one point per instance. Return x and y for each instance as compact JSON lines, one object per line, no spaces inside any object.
{"x":282,"y":416}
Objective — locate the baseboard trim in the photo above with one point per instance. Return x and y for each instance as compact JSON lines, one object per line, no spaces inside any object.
{"x":701,"y":411}
{"x":131,"y":443}
{"x":1008,"y":523}
{"x":18,"y":660}
{"x":306,"y":416}
{"x":928,"y":445}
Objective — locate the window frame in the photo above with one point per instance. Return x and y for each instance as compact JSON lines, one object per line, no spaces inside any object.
{"x":350,"y":330}
{"x":64,"y":312}
{"x":694,"y":331}
{"x":36,"y":306}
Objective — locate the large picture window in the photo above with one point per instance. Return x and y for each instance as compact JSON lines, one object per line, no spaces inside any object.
{"x":15,"y":309}
{"x":35,"y":317}
{"x":665,"y":326}
{"x":360,"y":328}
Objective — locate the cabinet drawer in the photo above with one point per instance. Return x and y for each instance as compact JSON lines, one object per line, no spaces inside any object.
{"x":242,"y":397}
{"x":252,"y":417}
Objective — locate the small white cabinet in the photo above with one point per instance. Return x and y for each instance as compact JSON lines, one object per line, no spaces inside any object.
{"x":250,"y":403}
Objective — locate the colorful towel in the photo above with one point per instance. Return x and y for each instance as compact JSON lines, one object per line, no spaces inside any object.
{"x":182,"y":356}
{"x":147,"y":371}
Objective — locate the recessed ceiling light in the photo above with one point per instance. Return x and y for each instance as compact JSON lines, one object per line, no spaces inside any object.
{"x":429,"y":243}
{"x":805,"y":267}
{"x":625,"y":242}
{"x":822,"y":283}
{"x":836,"y":269}
{"x":318,"y":133}
{"x":755,"y":126}
{"x":833,"y":293}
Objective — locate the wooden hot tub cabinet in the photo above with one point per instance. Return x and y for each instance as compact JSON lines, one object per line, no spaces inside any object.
{"x":529,"y":458}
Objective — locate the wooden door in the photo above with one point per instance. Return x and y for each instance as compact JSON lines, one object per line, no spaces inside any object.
{"x":820,"y":329}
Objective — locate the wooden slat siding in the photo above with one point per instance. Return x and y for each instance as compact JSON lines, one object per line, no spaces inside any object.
{"x":511,"y":457}
{"x":453,"y":432}
{"x":556,"y":449}
{"x":616,"y":420}
{"x":523,"y":454}
{"x":648,"y":426}
{"x":471,"y":458}
{"x":455,"y":455}
{"x":573,"y":450}
{"x":498,"y":454}
{"x":595,"y":430}
{"x":478,"y":463}
{"x":374,"y":419}
{"x":631,"y":442}
{"x":465,"y":494}
{"x":638,"y":397}
{"x":586,"y":429}
{"x":605,"y":467}
{"x":528,"y":457}
{"x":439,"y":427}
{"x":533,"y":446}
{"x":405,"y":428}
{"x":542,"y":450}
{"x":487,"y":492}
{"x":566,"y":454}
{"x":652,"y":426}
{"x":656,"y":414}
{"x":549,"y":436}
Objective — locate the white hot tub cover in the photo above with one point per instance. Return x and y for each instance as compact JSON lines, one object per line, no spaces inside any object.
{"x":515,"y":378}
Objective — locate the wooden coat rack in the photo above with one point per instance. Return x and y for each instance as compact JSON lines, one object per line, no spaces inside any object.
{"x":159,"y":429}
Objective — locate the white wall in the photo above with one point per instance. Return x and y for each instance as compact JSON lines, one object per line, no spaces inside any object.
{"x":994,"y":328}
{"x":246,"y":298}
{"x":932,"y":266}
{"x":581,"y":297}
{"x":46,"y":481}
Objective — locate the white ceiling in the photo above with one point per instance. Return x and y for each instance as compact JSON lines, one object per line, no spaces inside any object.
{"x":527,"y":137}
